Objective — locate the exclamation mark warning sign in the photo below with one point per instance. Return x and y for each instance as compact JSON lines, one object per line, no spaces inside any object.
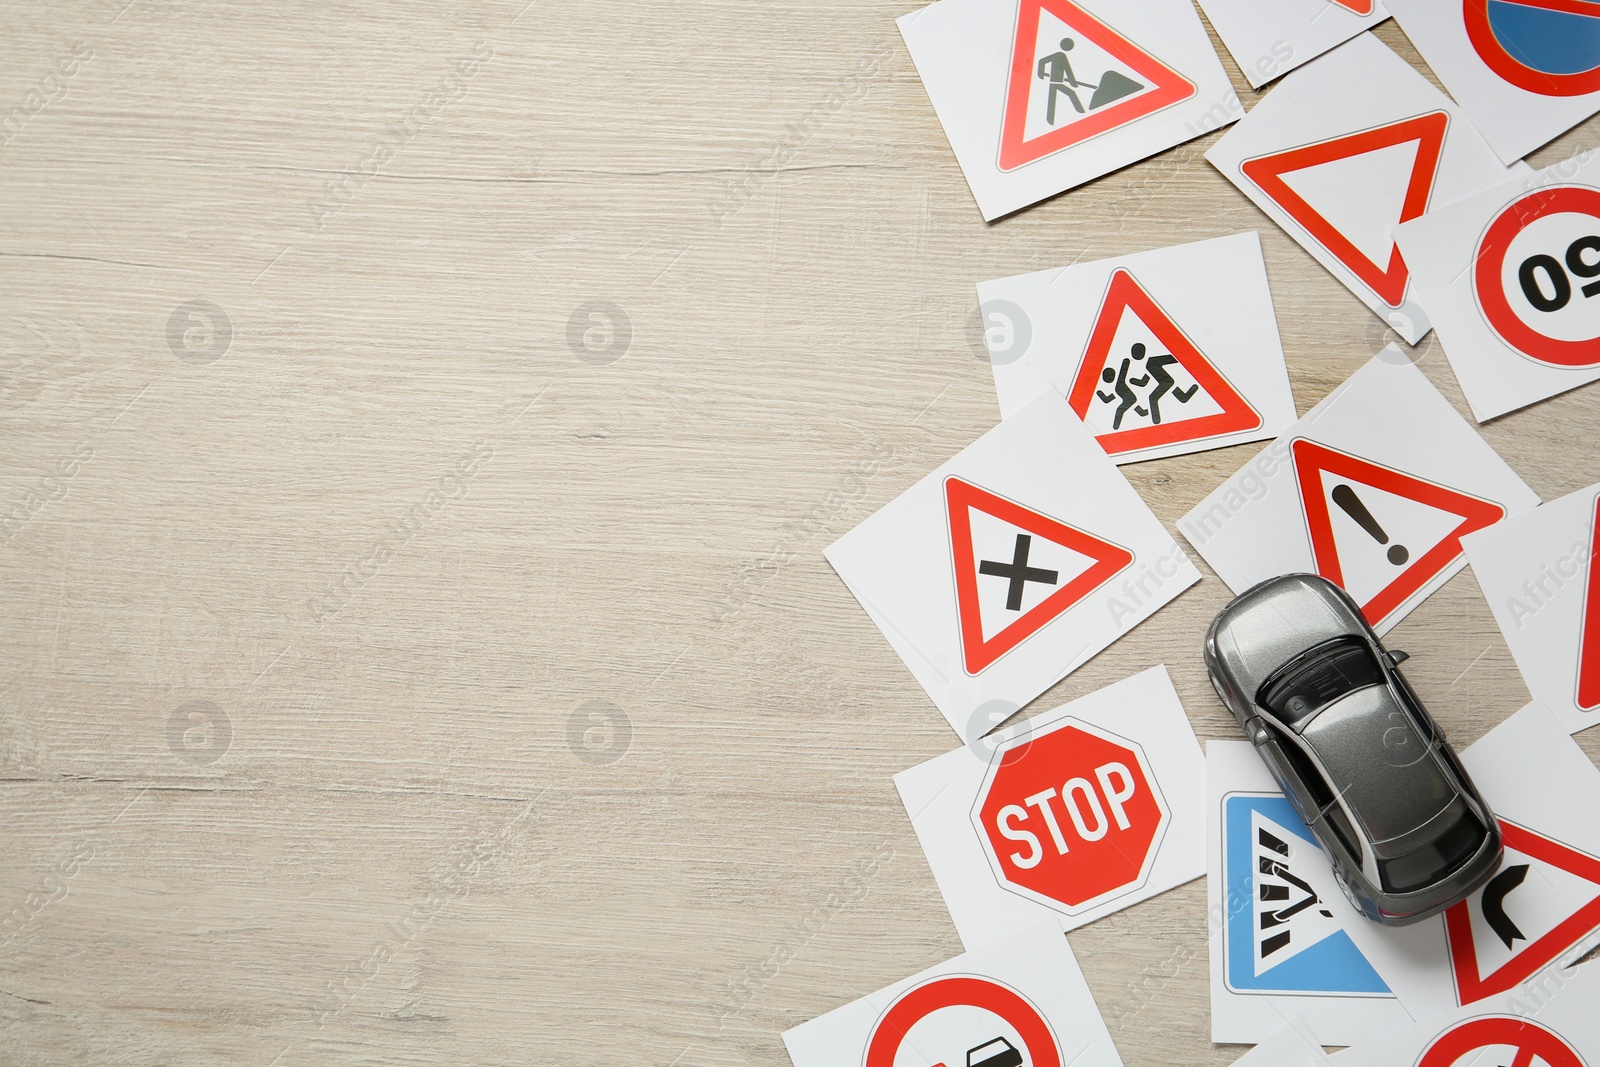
{"x":1382,"y":534}
{"x":1346,"y":498}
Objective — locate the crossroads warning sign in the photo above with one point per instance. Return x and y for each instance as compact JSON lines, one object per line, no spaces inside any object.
{"x":1016,"y":570}
{"x":1589,"y":621}
{"x":1387,"y":534}
{"x":1073,"y":77}
{"x":1347,"y":194}
{"x":1543,"y":903}
{"x":1143,"y":383}
{"x":970,"y":1021}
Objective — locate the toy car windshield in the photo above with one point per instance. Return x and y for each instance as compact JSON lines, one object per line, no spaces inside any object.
{"x":1319,"y":676}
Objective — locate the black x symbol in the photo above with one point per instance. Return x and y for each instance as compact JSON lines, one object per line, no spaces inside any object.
{"x":1018,"y":572}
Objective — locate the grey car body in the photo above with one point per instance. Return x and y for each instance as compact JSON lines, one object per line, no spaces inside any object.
{"x":1356,"y":753}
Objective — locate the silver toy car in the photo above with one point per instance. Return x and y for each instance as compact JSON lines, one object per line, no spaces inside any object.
{"x":1358,"y":756}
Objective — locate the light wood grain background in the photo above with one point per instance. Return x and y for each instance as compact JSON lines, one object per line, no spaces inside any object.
{"x":407,"y":661}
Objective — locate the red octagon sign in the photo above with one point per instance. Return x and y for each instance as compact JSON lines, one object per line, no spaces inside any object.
{"x":1071,"y":818}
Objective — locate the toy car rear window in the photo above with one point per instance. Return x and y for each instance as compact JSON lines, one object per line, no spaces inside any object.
{"x":1437,"y":859}
{"x":1317,"y":677}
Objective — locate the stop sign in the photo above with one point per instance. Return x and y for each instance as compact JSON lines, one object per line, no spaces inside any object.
{"x":1070,"y":818}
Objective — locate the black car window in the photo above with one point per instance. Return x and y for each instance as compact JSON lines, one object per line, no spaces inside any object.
{"x":1317,"y":787}
{"x":1319,"y":676}
{"x":1433,"y":861}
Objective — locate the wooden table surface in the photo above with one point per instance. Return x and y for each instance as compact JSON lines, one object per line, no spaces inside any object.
{"x":422,"y":426}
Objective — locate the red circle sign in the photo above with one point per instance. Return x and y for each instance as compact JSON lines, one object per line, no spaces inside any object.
{"x":1480,"y":32}
{"x":1550,"y":281}
{"x":1528,"y":1038}
{"x":1070,"y":818}
{"x":957,"y":991}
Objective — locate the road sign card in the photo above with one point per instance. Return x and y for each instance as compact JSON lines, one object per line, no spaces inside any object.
{"x":1072,"y":815}
{"x":1542,"y":906}
{"x":1346,"y":148}
{"x":1020,"y":1001}
{"x":1512,"y":279}
{"x":1373,"y":489}
{"x":1011,"y":565}
{"x":1163,"y":352}
{"x":1524,"y":71}
{"x":1277,"y":951}
{"x":1292,"y":1046}
{"x":1541,"y":577}
{"x":1551,"y":1023}
{"x":1269,"y":38}
{"x":1039,"y":96}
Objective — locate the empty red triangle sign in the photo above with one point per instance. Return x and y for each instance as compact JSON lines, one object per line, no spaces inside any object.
{"x":1143,"y":383}
{"x":1072,"y":78}
{"x":1353,"y":191}
{"x":1543,"y":902}
{"x":1589,"y":623}
{"x":1380,"y":533}
{"x":1016,"y":570}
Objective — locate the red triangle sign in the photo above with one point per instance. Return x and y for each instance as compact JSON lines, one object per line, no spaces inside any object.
{"x":1077,"y":104}
{"x":1314,"y":462}
{"x":1472,"y":983}
{"x":961,"y":499}
{"x":1589,"y":634}
{"x":1387,"y":280}
{"x":1360,"y":7}
{"x":1123,"y":295}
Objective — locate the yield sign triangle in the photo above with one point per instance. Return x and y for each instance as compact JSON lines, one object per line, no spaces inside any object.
{"x":1010,"y":572}
{"x":1543,"y":903}
{"x":1589,"y":635}
{"x":1389,"y":279}
{"x":1442,"y":519}
{"x":1106,"y":369}
{"x":1055,"y":100}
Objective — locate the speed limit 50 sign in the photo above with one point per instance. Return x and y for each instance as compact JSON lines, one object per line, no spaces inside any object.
{"x":1511,"y":279}
{"x":1537,"y":275}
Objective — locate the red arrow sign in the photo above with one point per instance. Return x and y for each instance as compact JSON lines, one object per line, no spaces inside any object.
{"x":1388,"y":280}
{"x":1071,"y":818}
{"x":1471,"y":984}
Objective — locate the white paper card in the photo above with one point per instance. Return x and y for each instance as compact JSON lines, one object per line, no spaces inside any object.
{"x":1541,"y":908}
{"x":1039,"y":96}
{"x":1269,"y":38}
{"x":1292,"y":1046}
{"x":1022,"y":996}
{"x":1538,"y":573}
{"x":1161,"y":353}
{"x":1525,"y":71}
{"x":1070,"y":815}
{"x":1277,"y":951}
{"x":1512,"y":280}
{"x":1011,"y":565}
{"x":1346,"y":148}
{"x":1552,"y":1023}
{"x":1373,"y":490}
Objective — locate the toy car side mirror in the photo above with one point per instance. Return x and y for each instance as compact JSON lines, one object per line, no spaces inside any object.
{"x":1398,"y":657}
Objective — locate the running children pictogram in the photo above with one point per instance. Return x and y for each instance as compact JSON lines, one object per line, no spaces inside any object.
{"x":1143,"y":382}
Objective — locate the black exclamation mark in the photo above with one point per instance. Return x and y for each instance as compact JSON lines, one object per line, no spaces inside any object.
{"x":1352,"y":506}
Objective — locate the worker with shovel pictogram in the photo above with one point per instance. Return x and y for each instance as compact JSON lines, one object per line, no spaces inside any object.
{"x":1057,"y":69}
